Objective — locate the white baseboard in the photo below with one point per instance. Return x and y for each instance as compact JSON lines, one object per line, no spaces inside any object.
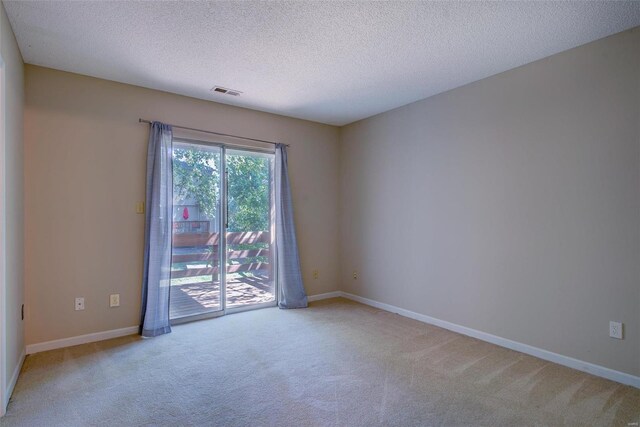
{"x":13,"y":380}
{"x":318,"y":297}
{"x":81,"y":339}
{"x":570,"y":362}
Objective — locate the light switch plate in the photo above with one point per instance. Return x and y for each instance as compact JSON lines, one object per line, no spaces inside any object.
{"x":114,"y":300}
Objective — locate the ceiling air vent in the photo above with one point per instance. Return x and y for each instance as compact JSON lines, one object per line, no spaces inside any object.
{"x":226,"y":91}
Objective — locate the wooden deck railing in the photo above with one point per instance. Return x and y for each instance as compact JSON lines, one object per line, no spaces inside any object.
{"x":190,"y":227}
{"x":203,"y":248}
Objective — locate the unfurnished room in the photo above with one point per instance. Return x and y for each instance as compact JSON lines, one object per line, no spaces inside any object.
{"x":319,"y":213}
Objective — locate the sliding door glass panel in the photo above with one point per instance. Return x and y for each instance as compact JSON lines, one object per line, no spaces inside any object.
{"x":196,"y":255}
{"x":250,"y":229}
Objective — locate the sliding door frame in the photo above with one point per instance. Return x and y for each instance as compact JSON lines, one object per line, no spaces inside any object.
{"x":221,"y":255}
{"x":223,"y":226}
{"x":272,"y":229}
{"x":3,"y":252}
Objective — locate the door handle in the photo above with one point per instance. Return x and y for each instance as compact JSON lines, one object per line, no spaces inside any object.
{"x":226,"y":200}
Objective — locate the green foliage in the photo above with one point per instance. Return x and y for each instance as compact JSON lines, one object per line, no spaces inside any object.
{"x":248,"y":193}
{"x":196,"y":174}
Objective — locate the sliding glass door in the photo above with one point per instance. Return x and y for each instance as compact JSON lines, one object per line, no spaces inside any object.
{"x":223,"y":230}
{"x":249,"y":237}
{"x":197,"y":218}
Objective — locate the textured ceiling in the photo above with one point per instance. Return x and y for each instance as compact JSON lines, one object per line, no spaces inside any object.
{"x":330,"y":62}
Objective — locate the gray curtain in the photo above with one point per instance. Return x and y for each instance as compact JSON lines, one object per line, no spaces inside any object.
{"x":157,"y":237}
{"x":291,"y":289}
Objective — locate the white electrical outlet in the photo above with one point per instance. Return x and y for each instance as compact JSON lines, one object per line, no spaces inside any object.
{"x":114,"y":300}
{"x":79,"y":303}
{"x":616,"y":330}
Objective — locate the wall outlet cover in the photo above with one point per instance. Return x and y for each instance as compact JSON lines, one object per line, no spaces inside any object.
{"x":79,"y":303}
{"x":616,"y":330}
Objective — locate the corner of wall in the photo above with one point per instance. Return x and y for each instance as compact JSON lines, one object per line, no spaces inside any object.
{"x":12,"y":215}
{"x":340,"y":212}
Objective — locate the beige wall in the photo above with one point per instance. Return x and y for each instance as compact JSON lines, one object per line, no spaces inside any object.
{"x":510,"y":206}
{"x":13,"y":198}
{"x":85,"y":167}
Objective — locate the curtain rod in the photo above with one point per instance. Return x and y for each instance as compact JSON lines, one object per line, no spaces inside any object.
{"x":214,"y":133}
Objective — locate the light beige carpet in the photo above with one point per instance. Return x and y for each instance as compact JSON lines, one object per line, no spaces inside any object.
{"x":337,"y":363}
